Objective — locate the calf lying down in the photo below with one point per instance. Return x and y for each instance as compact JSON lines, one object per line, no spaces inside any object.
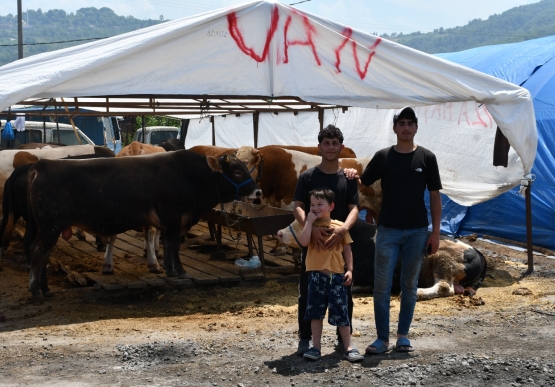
{"x":456,"y":268}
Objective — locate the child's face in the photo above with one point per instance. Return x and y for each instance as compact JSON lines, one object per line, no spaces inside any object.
{"x":320,"y":207}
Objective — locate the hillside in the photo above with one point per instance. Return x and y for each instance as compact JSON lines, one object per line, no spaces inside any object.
{"x":86,"y":24}
{"x":58,"y":26}
{"x":515,"y":25}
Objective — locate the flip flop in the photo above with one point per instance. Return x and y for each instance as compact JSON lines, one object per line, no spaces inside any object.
{"x":379,"y":346}
{"x":403,"y":345}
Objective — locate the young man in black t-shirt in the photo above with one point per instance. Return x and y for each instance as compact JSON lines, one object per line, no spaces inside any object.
{"x":405,"y":170}
{"x":328,"y":174}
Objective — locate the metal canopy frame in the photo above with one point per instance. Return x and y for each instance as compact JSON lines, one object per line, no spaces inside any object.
{"x":153,"y":105}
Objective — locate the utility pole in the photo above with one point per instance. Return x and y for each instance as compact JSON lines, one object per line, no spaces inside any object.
{"x":19,"y":30}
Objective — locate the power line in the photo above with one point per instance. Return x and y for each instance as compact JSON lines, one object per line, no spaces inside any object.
{"x":64,"y":41}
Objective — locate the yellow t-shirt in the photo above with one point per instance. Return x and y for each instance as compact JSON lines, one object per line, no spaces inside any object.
{"x":330,"y":260}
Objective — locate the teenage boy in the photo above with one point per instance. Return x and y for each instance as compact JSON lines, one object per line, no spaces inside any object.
{"x":405,"y":170}
{"x":329,"y":273}
{"x":328,"y":174}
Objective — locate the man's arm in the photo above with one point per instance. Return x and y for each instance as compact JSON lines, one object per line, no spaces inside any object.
{"x":339,"y":232}
{"x":435,"y":210}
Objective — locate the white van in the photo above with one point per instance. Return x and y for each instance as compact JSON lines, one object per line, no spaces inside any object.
{"x":34,"y":132}
{"x":154,"y":135}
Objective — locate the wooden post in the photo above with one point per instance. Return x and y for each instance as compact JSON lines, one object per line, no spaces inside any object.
{"x":213,"y":131}
{"x":321,"y":118}
{"x":255,"y":117}
{"x":529,"y":245}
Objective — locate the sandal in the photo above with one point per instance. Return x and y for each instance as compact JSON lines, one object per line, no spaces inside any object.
{"x":403,"y":345}
{"x":313,"y":354}
{"x":378,"y":347}
{"x":353,"y":355}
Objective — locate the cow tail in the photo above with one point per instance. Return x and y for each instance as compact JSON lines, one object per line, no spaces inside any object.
{"x":8,"y":219}
{"x":31,"y":226}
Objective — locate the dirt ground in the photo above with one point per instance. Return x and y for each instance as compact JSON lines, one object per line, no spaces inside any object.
{"x":247,"y":335}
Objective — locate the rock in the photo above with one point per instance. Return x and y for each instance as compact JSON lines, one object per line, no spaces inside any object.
{"x":522,"y":292}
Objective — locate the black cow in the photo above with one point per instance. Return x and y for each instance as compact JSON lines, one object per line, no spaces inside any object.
{"x":172,"y":144}
{"x":169,"y":191}
{"x":14,"y":203}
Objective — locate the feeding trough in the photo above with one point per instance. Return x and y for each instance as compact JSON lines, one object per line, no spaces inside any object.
{"x":251,"y":219}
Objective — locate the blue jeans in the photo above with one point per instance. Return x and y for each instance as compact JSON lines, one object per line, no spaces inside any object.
{"x":391,"y":244}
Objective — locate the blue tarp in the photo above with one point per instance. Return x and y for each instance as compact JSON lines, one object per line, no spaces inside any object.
{"x":531,"y":65}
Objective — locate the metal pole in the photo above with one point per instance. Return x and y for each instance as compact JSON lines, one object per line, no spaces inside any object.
{"x":144,"y":128}
{"x":213,"y":131}
{"x":19,"y":30}
{"x":255,"y":118}
{"x":529,"y":246}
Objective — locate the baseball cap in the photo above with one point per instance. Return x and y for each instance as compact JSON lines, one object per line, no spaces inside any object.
{"x":406,"y":113}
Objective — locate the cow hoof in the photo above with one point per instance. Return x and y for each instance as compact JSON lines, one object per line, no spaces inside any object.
{"x":47,"y":293}
{"x":107,"y":270}
{"x":155,"y":269}
{"x":101,"y":247}
{"x":171,"y":274}
{"x":81,"y":237}
{"x":184,"y":275}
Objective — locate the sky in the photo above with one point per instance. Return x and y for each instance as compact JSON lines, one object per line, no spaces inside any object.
{"x":386,"y":16}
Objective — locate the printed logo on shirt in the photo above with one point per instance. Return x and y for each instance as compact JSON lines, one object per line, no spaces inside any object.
{"x":418,"y":169}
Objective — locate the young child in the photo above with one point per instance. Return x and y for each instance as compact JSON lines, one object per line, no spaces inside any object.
{"x":327,"y":277}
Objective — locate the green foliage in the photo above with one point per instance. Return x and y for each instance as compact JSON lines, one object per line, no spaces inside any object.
{"x":515,"y":25}
{"x":157,"y":121}
{"x":58,"y":26}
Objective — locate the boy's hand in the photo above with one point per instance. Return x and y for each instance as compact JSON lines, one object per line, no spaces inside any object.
{"x":334,"y":241}
{"x":348,"y":278}
{"x":311,"y":217}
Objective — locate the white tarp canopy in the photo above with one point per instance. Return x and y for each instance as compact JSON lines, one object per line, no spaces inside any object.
{"x":266,"y":48}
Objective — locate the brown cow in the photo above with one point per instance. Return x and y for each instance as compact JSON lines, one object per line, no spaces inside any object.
{"x":277,"y":170}
{"x":138,"y":148}
{"x":211,"y":150}
{"x":313,"y":150}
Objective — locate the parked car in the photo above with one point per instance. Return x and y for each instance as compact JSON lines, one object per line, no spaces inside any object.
{"x":35,"y":132}
{"x":154,"y":135}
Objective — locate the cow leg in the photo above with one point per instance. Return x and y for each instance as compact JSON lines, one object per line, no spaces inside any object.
{"x":171,"y":254}
{"x":441,"y":288}
{"x":168,"y":259}
{"x":100,"y":246}
{"x":152,"y":236}
{"x":80,"y":234}
{"x":39,"y":252}
{"x":108,"y":265}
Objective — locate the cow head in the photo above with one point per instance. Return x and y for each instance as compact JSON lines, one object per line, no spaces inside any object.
{"x":251,"y":157}
{"x":234,"y":180}
{"x":289,"y":235}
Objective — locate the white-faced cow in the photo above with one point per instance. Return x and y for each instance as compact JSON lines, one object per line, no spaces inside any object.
{"x":457,"y":268}
{"x":169,"y":191}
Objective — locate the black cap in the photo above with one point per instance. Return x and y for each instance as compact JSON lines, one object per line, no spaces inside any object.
{"x":406,"y":113}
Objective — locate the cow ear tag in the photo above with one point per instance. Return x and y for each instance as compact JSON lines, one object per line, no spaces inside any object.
{"x":214,"y":164}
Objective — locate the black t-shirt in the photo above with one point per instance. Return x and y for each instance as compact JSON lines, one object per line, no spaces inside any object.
{"x":404,"y":176}
{"x":346,"y":191}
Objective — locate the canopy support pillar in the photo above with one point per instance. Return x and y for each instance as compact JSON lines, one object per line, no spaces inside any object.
{"x":213,"y":131}
{"x":529,"y":246}
{"x":255,"y":117}
{"x":321,"y":118}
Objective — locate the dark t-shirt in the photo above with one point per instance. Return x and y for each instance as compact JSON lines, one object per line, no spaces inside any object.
{"x":405,"y":177}
{"x":346,"y":191}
